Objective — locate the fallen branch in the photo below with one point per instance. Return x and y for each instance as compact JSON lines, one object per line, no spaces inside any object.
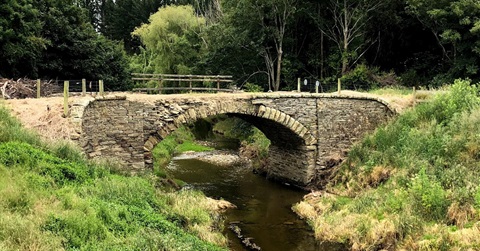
{"x":26,"y":88}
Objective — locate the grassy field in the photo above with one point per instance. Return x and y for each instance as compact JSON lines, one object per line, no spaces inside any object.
{"x":52,"y":198}
{"x":411,"y":185}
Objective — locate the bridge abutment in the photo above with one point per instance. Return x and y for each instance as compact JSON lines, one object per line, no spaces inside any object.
{"x":293,"y":166}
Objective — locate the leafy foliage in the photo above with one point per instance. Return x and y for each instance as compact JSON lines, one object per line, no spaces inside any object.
{"x":173,"y":37}
{"x":20,"y":39}
{"x":54,"y":39}
{"x":455,"y":27}
{"x":274,"y":42}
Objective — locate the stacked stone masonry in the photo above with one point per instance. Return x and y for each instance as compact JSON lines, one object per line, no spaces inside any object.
{"x":309,"y":132}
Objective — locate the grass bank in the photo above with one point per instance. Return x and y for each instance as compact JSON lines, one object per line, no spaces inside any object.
{"x":52,"y":198}
{"x":411,"y":185}
{"x":181,"y":140}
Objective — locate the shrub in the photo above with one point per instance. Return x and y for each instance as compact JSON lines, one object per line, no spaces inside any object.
{"x":428,"y":196}
{"x":250,"y":87}
{"x":359,"y":78}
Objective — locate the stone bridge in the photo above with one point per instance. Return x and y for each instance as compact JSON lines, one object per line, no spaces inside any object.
{"x":308,"y":132}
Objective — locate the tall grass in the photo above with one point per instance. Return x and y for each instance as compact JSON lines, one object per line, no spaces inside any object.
{"x":412,"y":184}
{"x":12,"y":129}
{"x":51,"y":198}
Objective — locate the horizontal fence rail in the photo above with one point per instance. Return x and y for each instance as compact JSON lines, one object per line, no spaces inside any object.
{"x":168,"y":83}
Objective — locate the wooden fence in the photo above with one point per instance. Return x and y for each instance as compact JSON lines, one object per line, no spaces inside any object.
{"x":223,"y":83}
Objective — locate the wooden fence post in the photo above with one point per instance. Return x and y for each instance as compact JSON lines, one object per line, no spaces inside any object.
{"x":84,"y":87}
{"x":339,"y":86}
{"x":38,"y":88}
{"x":218,"y":84}
{"x":100,"y":82}
{"x":66,"y":85}
{"x":299,"y":85}
{"x":191,"y":85}
{"x":414,"y":94}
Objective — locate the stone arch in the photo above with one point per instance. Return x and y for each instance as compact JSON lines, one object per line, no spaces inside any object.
{"x":293,"y":145}
{"x":283,"y":130}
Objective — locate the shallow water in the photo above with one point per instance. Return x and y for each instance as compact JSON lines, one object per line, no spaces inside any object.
{"x":264,"y":207}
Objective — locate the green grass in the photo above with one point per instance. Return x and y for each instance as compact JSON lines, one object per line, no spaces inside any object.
{"x":417,"y":176}
{"x":181,"y":140}
{"x":192,"y":146}
{"x":52,"y":198}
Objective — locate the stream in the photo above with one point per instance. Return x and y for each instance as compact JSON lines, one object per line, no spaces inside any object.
{"x":263,"y":207}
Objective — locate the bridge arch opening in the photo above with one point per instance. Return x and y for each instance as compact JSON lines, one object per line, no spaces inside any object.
{"x":291,"y":155}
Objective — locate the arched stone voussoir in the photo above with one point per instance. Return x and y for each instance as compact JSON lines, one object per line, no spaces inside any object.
{"x":285,"y":120}
{"x":261,"y":110}
{"x":151,"y":142}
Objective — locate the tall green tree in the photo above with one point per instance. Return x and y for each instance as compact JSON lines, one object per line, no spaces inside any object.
{"x":347,"y":28}
{"x":456,"y":28}
{"x":21,"y":43}
{"x":54,"y":39}
{"x":258,"y":29}
{"x":116,"y":19}
{"x":173,"y":35}
{"x":75,"y":50}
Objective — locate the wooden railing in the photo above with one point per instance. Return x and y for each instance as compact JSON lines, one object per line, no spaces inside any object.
{"x":190,"y":79}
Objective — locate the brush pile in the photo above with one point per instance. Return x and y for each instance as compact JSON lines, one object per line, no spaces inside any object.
{"x":26,"y":88}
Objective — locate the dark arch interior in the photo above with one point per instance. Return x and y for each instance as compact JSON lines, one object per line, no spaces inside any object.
{"x":280,"y":135}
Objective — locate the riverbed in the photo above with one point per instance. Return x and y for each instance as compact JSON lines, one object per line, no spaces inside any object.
{"x":263,"y":212}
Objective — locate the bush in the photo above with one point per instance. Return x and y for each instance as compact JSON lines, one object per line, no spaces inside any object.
{"x":359,"y":78}
{"x":250,"y":87}
{"x":429,"y":198}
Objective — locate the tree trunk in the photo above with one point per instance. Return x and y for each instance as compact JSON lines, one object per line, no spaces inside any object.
{"x":345,"y":38}
{"x":321,"y":56}
{"x":279,"y":69}
{"x":344,"y":62}
{"x":270,"y":70}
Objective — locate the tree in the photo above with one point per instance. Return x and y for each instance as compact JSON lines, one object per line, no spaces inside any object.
{"x":259,"y":28}
{"x":173,"y":34}
{"x":347,"y":30}
{"x":282,"y":10}
{"x":20,"y":39}
{"x":75,"y":50}
{"x":456,"y":27}
{"x":116,"y":19}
